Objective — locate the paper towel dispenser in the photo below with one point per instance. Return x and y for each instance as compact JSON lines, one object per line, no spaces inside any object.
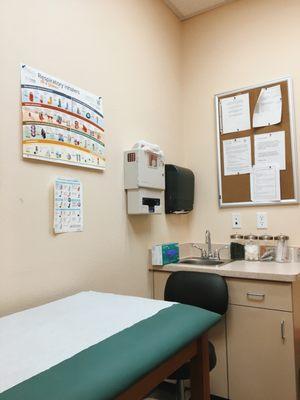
{"x":179,"y":192}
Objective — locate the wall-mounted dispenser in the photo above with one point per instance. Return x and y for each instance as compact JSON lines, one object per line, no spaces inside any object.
{"x":179,"y":194}
{"x":144,"y":179}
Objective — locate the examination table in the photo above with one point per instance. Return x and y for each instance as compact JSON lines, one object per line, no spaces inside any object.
{"x":100,"y":346}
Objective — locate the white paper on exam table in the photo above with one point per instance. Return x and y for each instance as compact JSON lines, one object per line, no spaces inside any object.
{"x":265,"y":184}
{"x":237,"y":156}
{"x":235,"y":113}
{"x":269,"y":149}
{"x":268,"y":108}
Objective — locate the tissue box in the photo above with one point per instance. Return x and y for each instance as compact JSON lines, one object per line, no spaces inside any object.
{"x":163,"y":254}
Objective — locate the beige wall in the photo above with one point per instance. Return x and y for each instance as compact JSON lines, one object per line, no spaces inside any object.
{"x":158,"y":77}
{"x":246,"y":42}
{"x":128,"y":52}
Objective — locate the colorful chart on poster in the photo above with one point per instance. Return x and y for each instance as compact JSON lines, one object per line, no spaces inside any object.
{"x":68,"y":207}
{"x":61,"y":122}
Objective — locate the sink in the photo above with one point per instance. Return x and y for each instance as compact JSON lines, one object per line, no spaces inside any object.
{"x":202,"y":261}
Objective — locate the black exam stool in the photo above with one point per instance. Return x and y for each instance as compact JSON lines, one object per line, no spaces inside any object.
{"x":204,"y":290}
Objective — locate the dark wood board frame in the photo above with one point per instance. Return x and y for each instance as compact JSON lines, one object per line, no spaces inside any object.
{"x":234,"y":190}
{"x":197,"y":353}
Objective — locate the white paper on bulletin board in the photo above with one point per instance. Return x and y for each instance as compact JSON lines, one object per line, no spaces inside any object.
{"x":268,"y":108}
{"x":235,"y":114}
{"x":237,"y":156}
{"x":265,"y":183}
{"x":68,"y":205}
{"x":61,"y":122}
{"x":269,"y":149}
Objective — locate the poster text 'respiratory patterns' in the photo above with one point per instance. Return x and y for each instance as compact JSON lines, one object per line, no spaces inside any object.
{"x":61,"y":122}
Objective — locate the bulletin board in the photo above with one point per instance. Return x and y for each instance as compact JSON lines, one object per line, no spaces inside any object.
{"x":235,"y":189}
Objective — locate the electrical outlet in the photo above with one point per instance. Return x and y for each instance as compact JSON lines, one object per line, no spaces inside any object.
{"x":236,"y":220}
{"x":261,"y":220}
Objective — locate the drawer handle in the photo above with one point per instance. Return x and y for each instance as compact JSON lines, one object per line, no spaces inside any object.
{"x":282,"y":329}
{"x":257,"y":295}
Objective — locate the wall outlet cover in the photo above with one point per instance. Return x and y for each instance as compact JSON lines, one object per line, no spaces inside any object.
{"x":236,"y":220}
{"x":261,"y":220}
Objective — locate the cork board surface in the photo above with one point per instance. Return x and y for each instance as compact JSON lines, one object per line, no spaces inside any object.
{"x":236,"y":188}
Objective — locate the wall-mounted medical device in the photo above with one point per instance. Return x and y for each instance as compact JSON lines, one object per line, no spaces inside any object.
{"x":144,"y":179}
{"x":145,"y":201}
{"x":179,"y":194}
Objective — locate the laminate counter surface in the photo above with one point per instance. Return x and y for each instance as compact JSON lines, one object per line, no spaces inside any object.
{"x":271,"y":271}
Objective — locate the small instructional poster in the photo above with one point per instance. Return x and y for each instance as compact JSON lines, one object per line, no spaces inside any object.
{"x":68,"y":207}
{"x":61,"y":122}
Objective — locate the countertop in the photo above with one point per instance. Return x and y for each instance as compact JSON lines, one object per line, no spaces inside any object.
{"x":270,"y":271}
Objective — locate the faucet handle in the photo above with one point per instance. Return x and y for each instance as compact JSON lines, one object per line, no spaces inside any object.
{"x":217,"y":251}
{"x":216,"y":254}
{"x":197,"y":246}
{"x":203,"y":251}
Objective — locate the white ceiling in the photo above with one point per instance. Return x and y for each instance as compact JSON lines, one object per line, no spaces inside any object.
{"x":185,"y":9}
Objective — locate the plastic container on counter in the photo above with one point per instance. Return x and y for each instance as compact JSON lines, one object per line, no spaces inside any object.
{"x":266,"y":248}
{"x":251,"y":248}
{"x":237,"y":247}
{"x":282,"y":249}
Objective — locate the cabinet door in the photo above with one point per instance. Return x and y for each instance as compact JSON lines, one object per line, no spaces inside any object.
{"x":260,"y":350}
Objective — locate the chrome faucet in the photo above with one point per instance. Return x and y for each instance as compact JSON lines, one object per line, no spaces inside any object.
{"x":205,"y":253}
{"x":209,"y":253}
{"x":208,"y":242}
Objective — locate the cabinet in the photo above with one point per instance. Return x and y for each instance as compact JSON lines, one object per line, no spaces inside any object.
{"x":258,"y":344}
{"x":159,"y":283}
{"x":260,"y":354}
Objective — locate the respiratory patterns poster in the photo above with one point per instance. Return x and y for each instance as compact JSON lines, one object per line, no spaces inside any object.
{"x":61,"y":122}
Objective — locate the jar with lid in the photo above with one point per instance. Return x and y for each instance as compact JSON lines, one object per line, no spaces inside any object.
{"x":251,"y":248}
{"x":266,"y":248}
{"x":237,"y":248}
{"x":282,"y":249}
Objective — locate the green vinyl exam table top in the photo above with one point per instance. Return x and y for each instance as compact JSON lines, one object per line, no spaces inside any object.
{"x":113,"y":342}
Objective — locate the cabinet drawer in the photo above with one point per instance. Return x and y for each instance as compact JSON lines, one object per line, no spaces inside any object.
{"x":262,"y":294}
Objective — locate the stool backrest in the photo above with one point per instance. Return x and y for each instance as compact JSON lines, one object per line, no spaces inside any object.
{"x":200,"y":289}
